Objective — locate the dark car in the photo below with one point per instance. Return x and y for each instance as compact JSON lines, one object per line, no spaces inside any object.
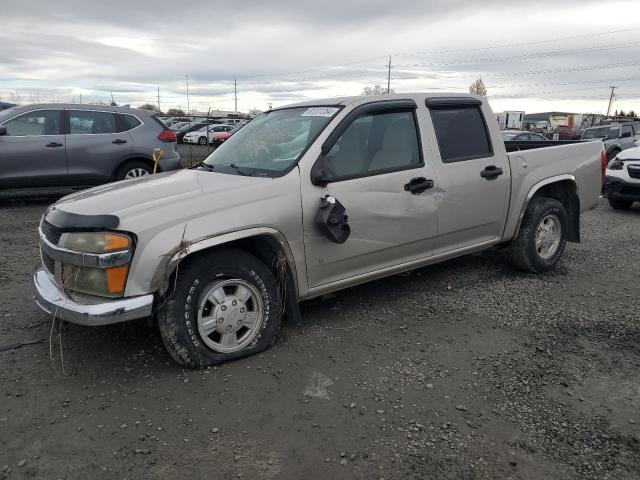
{"x":522,"y":136}
{"x":189,"y":127}
{"x":54,"y":145}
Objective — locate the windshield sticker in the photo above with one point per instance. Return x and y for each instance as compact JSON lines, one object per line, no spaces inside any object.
{"x":320,"y":112}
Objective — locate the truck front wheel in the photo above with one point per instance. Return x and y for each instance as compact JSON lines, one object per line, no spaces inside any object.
{"x":542,"y":236}
{"x":224,"y":306}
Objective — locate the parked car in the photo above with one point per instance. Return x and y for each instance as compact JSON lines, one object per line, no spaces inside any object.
{"x":361,"y":188}
{"x":523,"y":136}
{"x":220,"y":137}
{"x":199,"y":136}
{"x":616,"y":138}
{"x":187,"y":128}
{"x":80,"y":145}
{"x":219,"y":133}
{"x":622,"y":181}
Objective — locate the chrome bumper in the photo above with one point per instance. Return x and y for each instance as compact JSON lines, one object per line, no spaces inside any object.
{"x":52,"y":299}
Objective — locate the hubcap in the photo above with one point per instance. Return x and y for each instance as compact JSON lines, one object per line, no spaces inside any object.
{"x":230,"y":315}
{"x":136,"y":173}
{"x":548,"y":235}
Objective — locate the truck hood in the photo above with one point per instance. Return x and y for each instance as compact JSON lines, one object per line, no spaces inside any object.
{"x":167,"y":196}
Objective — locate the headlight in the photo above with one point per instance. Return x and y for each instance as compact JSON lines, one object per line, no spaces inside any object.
{"x":95,"y":242}
{"x":102,"y":282}
{"x":615,"y":164}
{"x":108,"y":280}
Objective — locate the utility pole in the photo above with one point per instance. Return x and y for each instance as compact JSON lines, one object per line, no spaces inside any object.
{"x":613,"y":89}
{"x":186,"y":79}
{"x":389,"y":77}
{"x":235,"y":95}
{"x":80,"y":98}
{"x":159,"y":98}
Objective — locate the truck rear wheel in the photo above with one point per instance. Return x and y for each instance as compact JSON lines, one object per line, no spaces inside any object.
{"x":225,"y":306}
{"x":620,"y":204}
{"x":542,"y":236}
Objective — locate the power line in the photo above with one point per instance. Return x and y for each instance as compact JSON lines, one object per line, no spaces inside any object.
{"x":575,"y":82}
{"x":521,"y":44}
{"x":524,"y":56}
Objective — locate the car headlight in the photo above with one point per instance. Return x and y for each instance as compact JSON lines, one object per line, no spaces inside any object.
{"x":101,"y":282}
{"x":615,"y":164}
{"x":107,"y":281}
{"x":95,"y":242}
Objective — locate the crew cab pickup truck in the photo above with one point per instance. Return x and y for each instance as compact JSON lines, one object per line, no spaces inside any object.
{"x":303,"y":201}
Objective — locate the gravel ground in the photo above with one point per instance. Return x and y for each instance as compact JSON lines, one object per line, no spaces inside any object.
{"x":463,"y":370}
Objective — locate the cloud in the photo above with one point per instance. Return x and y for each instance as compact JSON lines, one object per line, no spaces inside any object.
{"x":281,"y":49}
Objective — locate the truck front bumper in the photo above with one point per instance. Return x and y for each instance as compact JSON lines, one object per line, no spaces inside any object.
{"x":52,"y":299}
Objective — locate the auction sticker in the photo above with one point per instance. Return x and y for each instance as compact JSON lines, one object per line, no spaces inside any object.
{"x":320,"y":112}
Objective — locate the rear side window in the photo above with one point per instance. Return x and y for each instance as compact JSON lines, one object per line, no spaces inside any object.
{"x":86,"y":122}
{"x":461,"y":132}
{"x":130,"y":122}
{"x":40,"y":122}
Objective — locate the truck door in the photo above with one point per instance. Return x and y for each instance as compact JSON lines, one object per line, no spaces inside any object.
{"x":378,"y":173}
{"x":473,"y":174}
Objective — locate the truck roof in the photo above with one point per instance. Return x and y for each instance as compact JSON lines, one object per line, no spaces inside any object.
{"x":418,"y":97}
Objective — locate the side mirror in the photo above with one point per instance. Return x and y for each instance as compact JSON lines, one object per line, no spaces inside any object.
{"x":319,"y":175}
{"x":3,"y":130}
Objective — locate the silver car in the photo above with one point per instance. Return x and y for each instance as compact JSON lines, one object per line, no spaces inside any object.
{"x":59,"y":145}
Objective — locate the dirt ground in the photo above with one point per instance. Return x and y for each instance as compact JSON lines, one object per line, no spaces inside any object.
{"x":463,"y":370}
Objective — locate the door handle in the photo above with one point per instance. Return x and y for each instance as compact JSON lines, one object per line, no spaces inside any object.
{"x":491,"y":172}
{"x":119,"y":141}
{"x":54,"y":145}
{"x":418,"y":185}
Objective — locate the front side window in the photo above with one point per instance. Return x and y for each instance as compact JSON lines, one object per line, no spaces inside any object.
{"x":41,"y":122}
{"x":379,"y":141}
{"x":272,"y":143}
{"x":461,"y":132}
{"x":84,"y":122}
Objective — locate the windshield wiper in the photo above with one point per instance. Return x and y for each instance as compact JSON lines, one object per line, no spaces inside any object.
{"x":205,"y":165}
{"x":239,"y":170}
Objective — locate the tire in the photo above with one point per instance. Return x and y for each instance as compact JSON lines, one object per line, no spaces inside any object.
{"x":612,"y":154}
{"x":183,"y":331}
{"x":541,"y":213}
{"x":134,"y":169}
{"x":620,"y":204}
{"x":202,"y":141}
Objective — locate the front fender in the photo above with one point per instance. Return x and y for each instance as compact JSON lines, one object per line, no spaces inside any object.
{"x":186,"y":248}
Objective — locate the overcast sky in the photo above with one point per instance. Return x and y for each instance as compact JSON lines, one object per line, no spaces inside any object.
{"x":533,"y":56}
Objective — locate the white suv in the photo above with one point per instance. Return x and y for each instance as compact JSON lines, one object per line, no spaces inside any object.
{"x":622,"y":181}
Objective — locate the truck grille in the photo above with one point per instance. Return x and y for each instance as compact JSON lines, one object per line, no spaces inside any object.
{"x":634,"y":171}
{"x":52,"y":233}
{"x":48,"y":263}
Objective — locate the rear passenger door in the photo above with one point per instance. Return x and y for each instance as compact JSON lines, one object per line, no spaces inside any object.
{"x":32,"y":151}
{"x":374,"y":158}
{"x":96,"y":145}
{"x":473,"y":175}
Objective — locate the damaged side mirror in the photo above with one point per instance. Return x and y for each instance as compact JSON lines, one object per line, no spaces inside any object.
{"x":332,"y":220}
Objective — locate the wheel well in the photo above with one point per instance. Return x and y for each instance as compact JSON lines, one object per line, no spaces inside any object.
{"x":566,"y":192}
{"x":148,"y":161}
{"x":269,"y":251}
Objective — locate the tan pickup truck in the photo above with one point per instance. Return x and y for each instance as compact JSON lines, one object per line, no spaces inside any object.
{"x":306,"y":200}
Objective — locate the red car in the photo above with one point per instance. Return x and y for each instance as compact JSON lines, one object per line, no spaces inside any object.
{"x":220,"y":137}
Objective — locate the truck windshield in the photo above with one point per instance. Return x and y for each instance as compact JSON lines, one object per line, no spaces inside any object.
{"x":271,"y":143}
{"x":602,"y":132}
